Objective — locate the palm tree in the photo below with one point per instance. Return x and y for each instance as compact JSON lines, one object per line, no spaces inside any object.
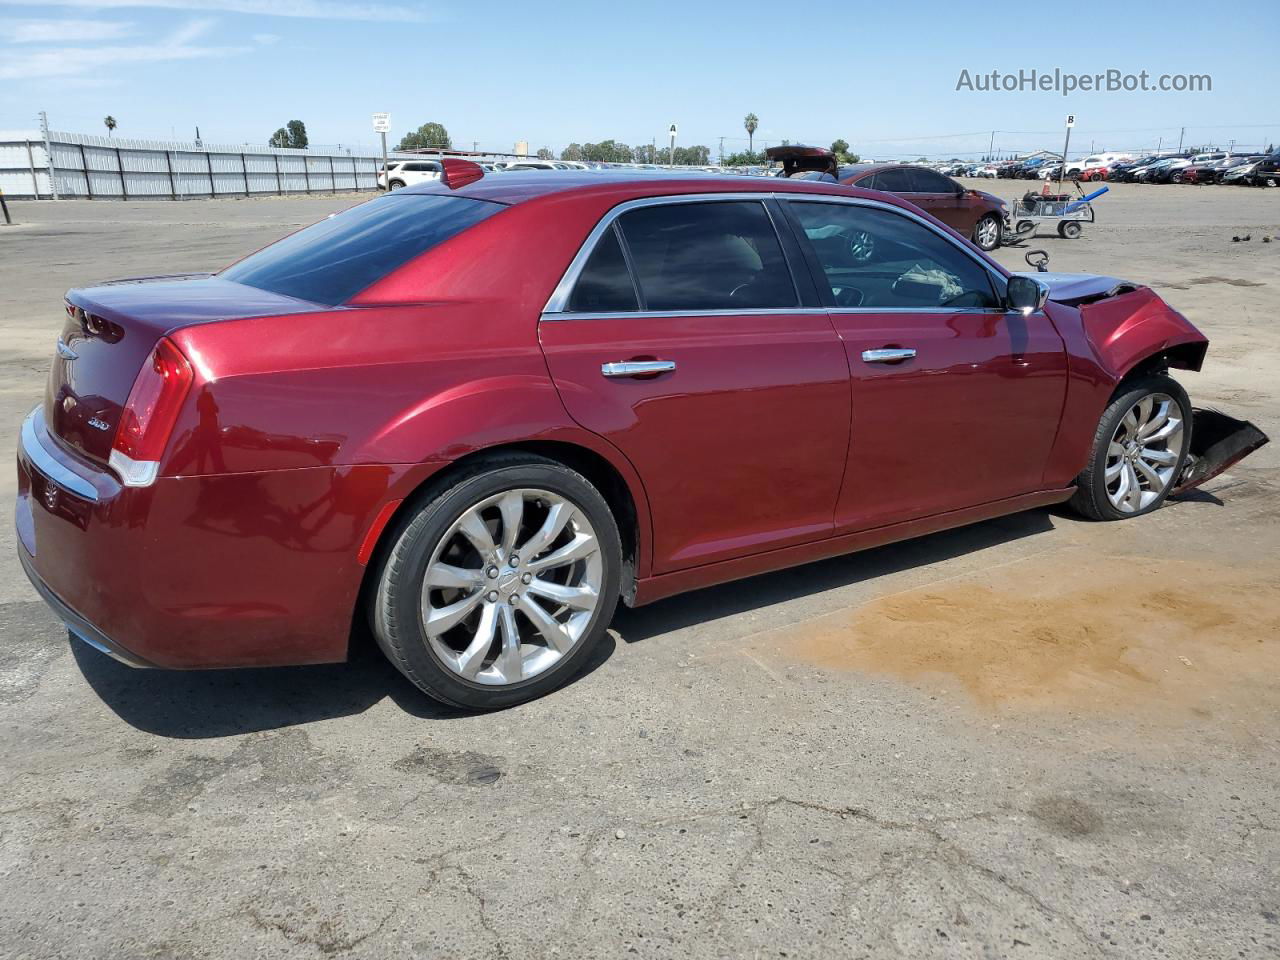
{"x":110,"y":123}
{"x":751,"y":122}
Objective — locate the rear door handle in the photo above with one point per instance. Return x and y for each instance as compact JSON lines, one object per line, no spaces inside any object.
{"x":637,"y":368}
{"x":888,"y":355}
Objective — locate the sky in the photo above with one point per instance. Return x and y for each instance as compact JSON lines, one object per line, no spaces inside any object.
{"x":881,"y":76}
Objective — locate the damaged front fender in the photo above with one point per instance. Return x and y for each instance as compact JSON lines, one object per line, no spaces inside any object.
{"x":1127,"y":329}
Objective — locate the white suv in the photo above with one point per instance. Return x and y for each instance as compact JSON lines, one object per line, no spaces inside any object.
{"x":404,"y":173}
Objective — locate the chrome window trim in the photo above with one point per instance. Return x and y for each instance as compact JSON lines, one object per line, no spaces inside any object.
{"x":557,"y":303}
{"x":44,"y":461}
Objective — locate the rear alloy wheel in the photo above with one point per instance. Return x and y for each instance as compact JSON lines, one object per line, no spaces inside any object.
{"x":396,"y":184}
{"x":498,"y":590}
{"x":986,"y":233}
{"x":1139,"y":451}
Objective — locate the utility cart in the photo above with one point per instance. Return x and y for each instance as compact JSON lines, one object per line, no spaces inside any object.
{"x":1069,"y":212}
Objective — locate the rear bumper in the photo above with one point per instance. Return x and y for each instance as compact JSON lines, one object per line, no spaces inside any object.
{"x":78,"y":625}
{"x":226,"y":570}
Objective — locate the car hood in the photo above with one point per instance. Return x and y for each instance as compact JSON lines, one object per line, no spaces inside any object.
{"x":1069,"y":287}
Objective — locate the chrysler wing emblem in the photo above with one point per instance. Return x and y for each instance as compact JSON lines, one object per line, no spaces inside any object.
{"x":50,"y":494}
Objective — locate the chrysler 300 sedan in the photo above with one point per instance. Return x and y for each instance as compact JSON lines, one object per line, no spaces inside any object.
{"x":476,"y":413}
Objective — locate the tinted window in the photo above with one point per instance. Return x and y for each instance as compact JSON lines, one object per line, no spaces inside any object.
{"x":927,"y":181}
{"x":874,"y":258}
{"x":894,"y":181}
{"x":605,"y":283}
{"x":721,"y":255}
{"x":331,"y":261}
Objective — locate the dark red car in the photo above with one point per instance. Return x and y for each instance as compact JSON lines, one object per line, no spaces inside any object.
{"x":476,"y":413}
{"x":973,"y":214}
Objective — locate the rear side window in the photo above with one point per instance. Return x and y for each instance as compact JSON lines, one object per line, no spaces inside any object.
{"x":331,"y":261}
{"x":715,"y":255}
{"x":604,"y":286}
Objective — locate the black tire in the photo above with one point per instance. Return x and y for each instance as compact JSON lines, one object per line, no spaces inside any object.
{"x":396,"y":614}
{"x":395,"y":185}
{"x":1090,"y":499}
{"x":1069,"y":230}
{"x":993,"y":240}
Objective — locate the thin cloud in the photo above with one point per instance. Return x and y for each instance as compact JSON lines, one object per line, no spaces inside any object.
{"x":265,"y":39}
{"x":78,"y":61}
{"x":309,"y":9}
{"x":69,"y":31}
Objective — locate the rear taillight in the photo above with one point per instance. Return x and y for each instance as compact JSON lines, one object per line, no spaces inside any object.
{"x":149,"y":415}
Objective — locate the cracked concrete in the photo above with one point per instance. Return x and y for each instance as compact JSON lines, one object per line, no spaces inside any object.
{"x":1033,"y":738}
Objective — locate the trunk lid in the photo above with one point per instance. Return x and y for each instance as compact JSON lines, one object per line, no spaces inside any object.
{"x":109,"y":331}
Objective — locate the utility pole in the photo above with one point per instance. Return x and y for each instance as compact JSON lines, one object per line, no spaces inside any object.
{"x":475,"y":146}
{"x":1159,"y":144}
{"x":671,"y":157}
{"x":722,"y":151}
{"x":1181,"y":134}
{"x":48,"y":153}
{"x":992,"y":146}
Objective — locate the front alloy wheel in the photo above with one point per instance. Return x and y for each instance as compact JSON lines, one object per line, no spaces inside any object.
{"x":1139,"y":451}
{"x":498,"y":588}
{"x":987,"y":233}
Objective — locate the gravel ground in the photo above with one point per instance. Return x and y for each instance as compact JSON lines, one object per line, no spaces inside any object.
{"x":1034,"y":737}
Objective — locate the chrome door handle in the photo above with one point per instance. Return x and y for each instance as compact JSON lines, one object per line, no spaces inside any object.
{"x":637,"y":368}
{"x":887,"y":355}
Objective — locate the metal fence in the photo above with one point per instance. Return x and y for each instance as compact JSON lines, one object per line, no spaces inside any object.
{"x":69,"y":165}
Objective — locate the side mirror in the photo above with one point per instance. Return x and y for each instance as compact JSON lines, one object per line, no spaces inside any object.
{"x":1025,"y":294}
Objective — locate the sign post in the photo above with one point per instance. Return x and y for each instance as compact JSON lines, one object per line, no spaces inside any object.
{"x":1062,"y":170}
{"x":671,"y":157}
{"x":381,"y":124}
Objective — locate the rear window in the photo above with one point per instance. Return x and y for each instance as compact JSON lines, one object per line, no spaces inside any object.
{"x":331,"y":261}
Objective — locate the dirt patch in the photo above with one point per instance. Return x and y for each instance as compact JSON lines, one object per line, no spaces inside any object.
{"x":1065,"y":628}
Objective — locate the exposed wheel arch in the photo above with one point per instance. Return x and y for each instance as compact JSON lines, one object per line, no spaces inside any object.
{"x":1184,"y":356}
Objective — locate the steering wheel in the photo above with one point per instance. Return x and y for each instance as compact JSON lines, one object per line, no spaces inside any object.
{"x":861,"y":245}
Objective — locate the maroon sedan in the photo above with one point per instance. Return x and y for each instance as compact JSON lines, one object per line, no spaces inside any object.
{"x":971,"y":213}
{"x":476,"y":413}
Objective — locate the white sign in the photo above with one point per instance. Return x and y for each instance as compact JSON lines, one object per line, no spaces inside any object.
{"x":1071,"y":120}
{"x":381,"y":122}
{"x":672,"y":131}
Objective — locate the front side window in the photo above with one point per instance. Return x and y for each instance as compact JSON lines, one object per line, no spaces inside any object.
{"x":331,"y":261}
{"x":714,"y":255}
{"x":929,"y":181}
{"x":878,"y":259}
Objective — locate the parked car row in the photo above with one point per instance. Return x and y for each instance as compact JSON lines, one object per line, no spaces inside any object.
{"x":1200,"y":168}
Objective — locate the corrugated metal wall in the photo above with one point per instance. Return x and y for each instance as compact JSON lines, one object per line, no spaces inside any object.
{"x":84,"y":165}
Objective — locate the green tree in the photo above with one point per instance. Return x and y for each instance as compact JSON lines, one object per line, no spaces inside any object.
{"x":428,"y":135}
{"x":297,"y":134}
{"x":746,"y":158}
{"x":693,"y":156}
{"x":751,"y":123}
{"x":110,"y":123}
{"x":841,"y":149}
{"x":572,"y":152}
{"x":544,"y":153}
{"x":279,"y":139}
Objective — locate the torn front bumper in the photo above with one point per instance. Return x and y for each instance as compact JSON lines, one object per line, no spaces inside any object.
{"x":1217,"y":442}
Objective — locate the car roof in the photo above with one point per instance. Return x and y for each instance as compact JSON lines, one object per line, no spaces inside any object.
{"x":518,"y":187}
